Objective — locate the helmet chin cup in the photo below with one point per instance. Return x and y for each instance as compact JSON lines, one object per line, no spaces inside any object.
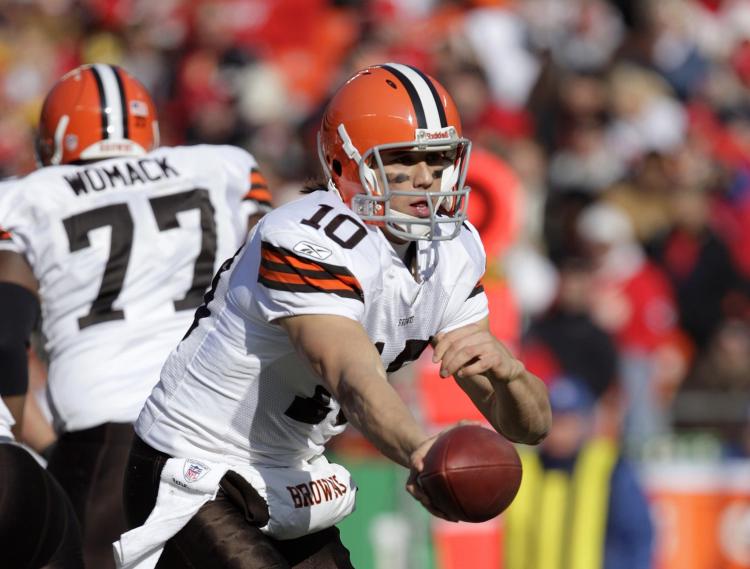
{"x":409,"y":224}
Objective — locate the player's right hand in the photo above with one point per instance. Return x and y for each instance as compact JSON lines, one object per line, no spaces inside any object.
{"x":412,"y":484}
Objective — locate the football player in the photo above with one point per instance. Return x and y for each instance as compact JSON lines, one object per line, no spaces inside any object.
{"x":299,"y":332}
{"x":38,"y":527}
{"x":118,"y":239}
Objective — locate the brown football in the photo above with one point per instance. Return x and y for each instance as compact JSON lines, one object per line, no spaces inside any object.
{"x":471,"y":473}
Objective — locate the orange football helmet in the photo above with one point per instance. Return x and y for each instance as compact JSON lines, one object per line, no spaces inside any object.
{"x":93,"y":112}
{"x":390,"y":106}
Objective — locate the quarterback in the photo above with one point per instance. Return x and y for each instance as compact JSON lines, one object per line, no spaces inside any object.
{"x":299,"y":332}
{"x":117,"y":240}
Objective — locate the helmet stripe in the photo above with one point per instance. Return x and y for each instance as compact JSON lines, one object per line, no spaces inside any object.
{"x":102,"y":100}
{"x":421,"y":93}
{"x":123,"y":101}
{"x":435,"y":96}
{"x":113,"y":101}
{"x":416,"y":102}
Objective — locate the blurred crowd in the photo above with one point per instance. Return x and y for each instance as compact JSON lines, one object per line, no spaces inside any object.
{"x":625,"y":124}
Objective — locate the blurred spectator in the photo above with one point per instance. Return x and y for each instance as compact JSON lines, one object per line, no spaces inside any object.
{"x":580,"y":503}
{"x":632,"y":299}
{"x":566,"y":341}
{"x":699,"y":266}
{"x":647,"y":118}
{"x":716,"y":395}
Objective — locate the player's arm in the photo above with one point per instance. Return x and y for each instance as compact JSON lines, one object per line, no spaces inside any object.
{"x":341,"y":353}
{"x":19,"y":306}
{"x":510,"y":397}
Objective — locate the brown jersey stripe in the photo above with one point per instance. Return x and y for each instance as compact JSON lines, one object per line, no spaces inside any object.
{"x":348,"y":293}
{"x":316,"y":274}
{"x":322,"y":279}
{"x":293,"y":278}
{"x":478,"y":288}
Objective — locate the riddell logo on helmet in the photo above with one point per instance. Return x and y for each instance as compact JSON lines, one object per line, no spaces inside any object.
{"x":424,"y":135}
{"x":115,"y":146}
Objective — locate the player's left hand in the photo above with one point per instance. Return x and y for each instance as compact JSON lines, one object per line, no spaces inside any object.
{"x":417,"y":465}
{"x":473,"y":350}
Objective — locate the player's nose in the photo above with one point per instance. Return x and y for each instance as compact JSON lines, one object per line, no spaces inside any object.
{"x":422,"y":175}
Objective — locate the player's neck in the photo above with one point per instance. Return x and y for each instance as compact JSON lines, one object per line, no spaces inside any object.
{"x":407,"y":252}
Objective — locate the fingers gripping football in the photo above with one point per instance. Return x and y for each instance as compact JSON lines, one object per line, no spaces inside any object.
{"x":473,"y":350}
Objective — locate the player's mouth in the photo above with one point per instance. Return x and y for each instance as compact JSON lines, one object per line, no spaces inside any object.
{"x":420,"y":208}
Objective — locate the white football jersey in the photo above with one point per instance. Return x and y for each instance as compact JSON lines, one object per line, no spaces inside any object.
{"x":235,"y":390}
{"x":124,"y":250}
{"x":6,"y":420}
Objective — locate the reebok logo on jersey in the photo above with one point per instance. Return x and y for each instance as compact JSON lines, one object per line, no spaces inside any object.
{"x":193,"y":470}
{"x":312,"y":250}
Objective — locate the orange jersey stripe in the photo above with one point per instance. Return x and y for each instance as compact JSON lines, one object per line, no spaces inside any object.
{"x":313,"y":270}
{"x":259,"y":194}
{"x":257,"y":179}
{"x":284,"y":270}
{"x":290,"y":278}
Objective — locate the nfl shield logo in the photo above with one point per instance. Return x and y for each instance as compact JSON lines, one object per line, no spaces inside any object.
{"x":194,"y":470}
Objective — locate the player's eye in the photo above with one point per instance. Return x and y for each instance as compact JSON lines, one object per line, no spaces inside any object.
{"x":443,"y":159}
{"x":398,"y":178}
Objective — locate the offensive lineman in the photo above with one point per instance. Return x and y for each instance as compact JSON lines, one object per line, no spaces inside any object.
{"x":298,"y":333}
{"x":118,"y":240}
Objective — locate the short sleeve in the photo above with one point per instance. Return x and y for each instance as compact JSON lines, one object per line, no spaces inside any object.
{"x":247,"y":180}
{"x":298,"y":274}
{"x":471,"y":310}
{"x":468,"y":302}
{"x":11,"y":220}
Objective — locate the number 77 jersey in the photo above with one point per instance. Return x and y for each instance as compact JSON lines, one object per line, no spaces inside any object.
{"x":235,"y":387}
{"x":124,"y":250}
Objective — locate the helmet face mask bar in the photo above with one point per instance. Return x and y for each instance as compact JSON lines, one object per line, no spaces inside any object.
{"x":447,"y":207}
{"x":391,"y":109}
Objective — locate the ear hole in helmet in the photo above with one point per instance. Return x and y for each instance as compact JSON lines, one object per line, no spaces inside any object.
{"x":337,"y":169}
{"x":391,"y":84}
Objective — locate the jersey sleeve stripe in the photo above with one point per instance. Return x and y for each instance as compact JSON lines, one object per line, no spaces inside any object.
{"x":317,"y":274}
{"x":5,"y":235}
{"x":257,"y":180}
{"x":290,"y":287}
{"x":259,"y":195}
{"x":324,"y":285}
{"x":478,"y":289}
{"x":283,"y":270}
{"x":281,"y":255}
